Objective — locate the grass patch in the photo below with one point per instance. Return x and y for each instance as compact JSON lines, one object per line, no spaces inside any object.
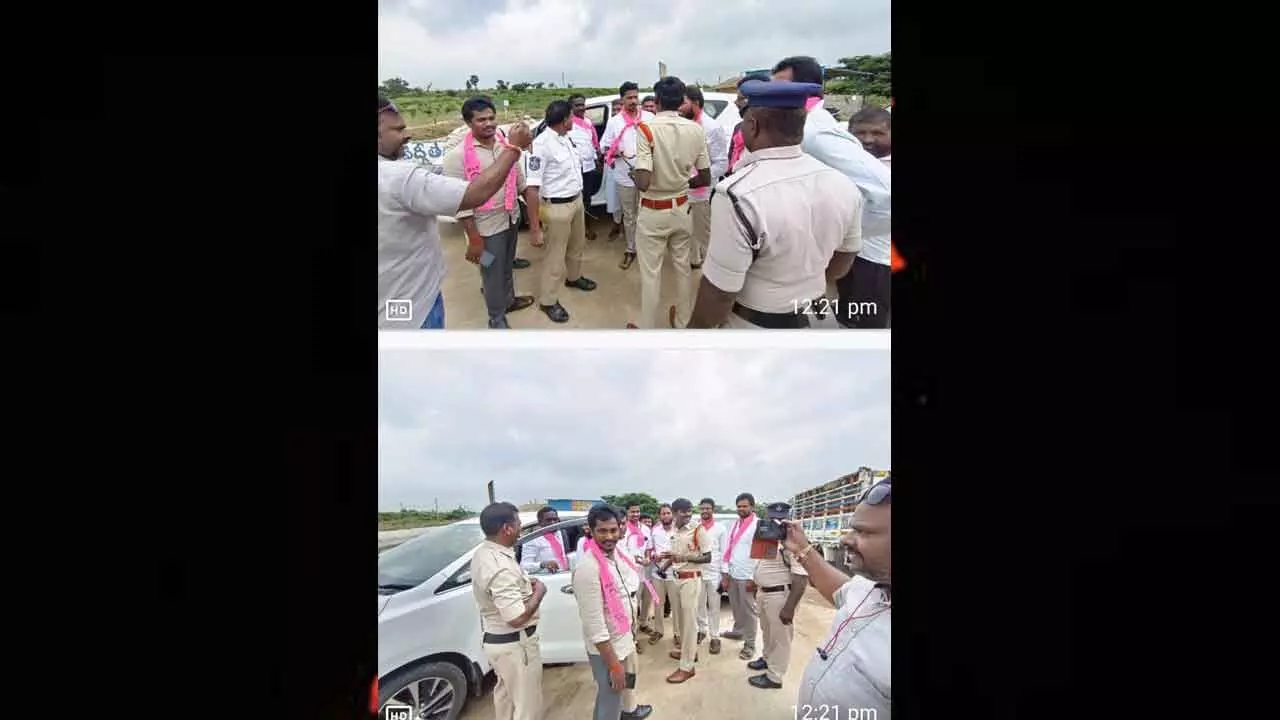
{"x":407,"y":519}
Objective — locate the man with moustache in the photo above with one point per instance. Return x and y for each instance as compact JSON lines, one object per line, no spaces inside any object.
{"x":718,"y":153}
{"x":709,"y":608}
{"x":555,"y":169}
{"x":410,"y":197}
{"x":783,"y":225}
{"x":867,"y":282}
{"x":873,"y":127}
{"x":587,"y":142}
{"x":508,"y":600}
{"x":738,"y":574}
{"x":619,"y":141}
{"x":649,"y":104}
{"x":659,"y":542}
{"x":546,"y":553}
{"x":851,"y":667}
{"x":780,"y":583}
{"x":688,"y":555}
{"x":605,"y":584}
{"x":493,"y":226}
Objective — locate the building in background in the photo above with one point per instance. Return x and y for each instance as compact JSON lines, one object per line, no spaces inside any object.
{"x":568,"y":504}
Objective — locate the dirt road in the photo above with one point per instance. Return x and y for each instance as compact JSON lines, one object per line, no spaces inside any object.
{"x":614,"y":303}
{"x":719,"y":690}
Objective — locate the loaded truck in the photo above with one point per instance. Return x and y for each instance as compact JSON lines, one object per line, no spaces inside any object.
{"x":826,"y":511}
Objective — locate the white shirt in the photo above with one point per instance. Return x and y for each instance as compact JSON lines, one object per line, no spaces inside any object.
{"x":554,"y":166}
{"x":410,"y":261}
{"x":628,"y":543}
{"x":539,"y":550}
{"x":716,"y":537}
{"x":717,"y":151}
{"x":659,"y":541}
{"x":582,"y":140}
{"x":856,"y":674}
{"x":626,"y":148}
{"x":597,"y":625}
{"x":827,"y":141}
{"x":741,"y":566}
{"x":885,"y":160}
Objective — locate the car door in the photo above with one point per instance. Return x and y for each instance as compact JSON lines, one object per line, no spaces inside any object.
{"x":598,"y":114}
{"x":559,"y":626}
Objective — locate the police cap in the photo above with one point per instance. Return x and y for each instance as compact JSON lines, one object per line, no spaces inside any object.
{"x":778,"y":93}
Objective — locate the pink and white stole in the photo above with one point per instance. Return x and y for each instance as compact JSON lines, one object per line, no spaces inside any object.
{"x":739,"y":528}
{"x":471,"y":167}
{"x":585,"y":124}
{"x":631,"y":122}
{"x":553,"y":539}
{"x":612,"y":601}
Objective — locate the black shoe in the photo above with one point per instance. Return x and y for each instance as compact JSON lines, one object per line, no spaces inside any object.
{"x":584,"y":284}
{"x":519,"y":303}
{"x":520,"y":263}
{"x":641,"y":712}
{"x":557,"y":313}
{"x":763,"y":681}
{"x":758,"y":664}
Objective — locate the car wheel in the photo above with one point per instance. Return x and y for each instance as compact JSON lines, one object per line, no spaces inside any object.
{"x":435,"y":691}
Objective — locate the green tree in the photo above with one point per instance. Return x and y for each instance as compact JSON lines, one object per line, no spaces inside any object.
{"x":502,"y":85}
{"x":863,"y":75}
{"x":473,"y":82}
{"x":395,"y":87}
{"x":648,"y":503}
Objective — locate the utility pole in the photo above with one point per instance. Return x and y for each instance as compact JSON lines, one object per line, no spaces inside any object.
{"x":662,"y":69}
{"x":490,"y":492}
{"x":562,"y":83}
{"x":437,"y":502}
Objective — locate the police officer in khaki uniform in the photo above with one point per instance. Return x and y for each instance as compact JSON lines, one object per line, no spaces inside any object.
{"x":783,"y":225}
{"x":780,"y":583}
{"x":668,"y":149}
{"x":690,"y":552}
{"x":508,"y":600}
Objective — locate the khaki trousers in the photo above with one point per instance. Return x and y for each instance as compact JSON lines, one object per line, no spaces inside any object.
{"x":629,"y":197}
{"x":777,"y":637}
{"x":684,"y":611}
{"x":659,"y":232}
{"x":700,"y":213}
{"x":646,"y":604}
{"x":566,"y":240}
{"x":518,"y":665}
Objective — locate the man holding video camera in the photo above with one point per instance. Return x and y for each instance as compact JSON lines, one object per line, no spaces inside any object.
{"x":780,"y":583}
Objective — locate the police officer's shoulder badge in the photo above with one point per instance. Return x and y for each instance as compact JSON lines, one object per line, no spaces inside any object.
{"x":535,"y":163}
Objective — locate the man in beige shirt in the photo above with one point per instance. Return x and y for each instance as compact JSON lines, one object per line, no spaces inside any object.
{"x":783,"y":226}
{"x":780,"y":583}
{"x":690,"y":552}
{"x":492,"y":227}
{"x":611,"y":646}
{"x":668,"y":149}
{"x":508,"y":600}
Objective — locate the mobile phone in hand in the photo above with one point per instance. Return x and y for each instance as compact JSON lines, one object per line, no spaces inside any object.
{"x":631,"y":681}
{"x":486,"y":259}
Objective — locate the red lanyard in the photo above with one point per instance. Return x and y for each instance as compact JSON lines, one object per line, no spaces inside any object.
{"x":822,"y":652}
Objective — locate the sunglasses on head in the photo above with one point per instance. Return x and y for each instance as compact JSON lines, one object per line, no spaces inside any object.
{"x":878,"y":493}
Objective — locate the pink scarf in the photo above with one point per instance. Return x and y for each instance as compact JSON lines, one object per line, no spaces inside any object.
{"x":634,"y":531}
{"x":471,"y":166}
{"x":556,"y":547}
{"x":735,"y":151}
{"x":586,"y":125}
{"x":708,"y":524}
{"x":630,"y":123}
{"x":739,"y":528}
{"x":812,"y":103}
{"x":612,"y":603}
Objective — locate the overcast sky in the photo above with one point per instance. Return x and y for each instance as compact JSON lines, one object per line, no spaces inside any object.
{"x":601,"y":43}
{"x":586,"y":423}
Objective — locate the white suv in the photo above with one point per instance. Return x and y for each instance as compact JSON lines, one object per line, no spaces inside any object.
{"x":429,"y":651}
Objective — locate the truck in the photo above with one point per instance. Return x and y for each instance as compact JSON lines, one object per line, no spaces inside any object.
{"x":826,"y":511}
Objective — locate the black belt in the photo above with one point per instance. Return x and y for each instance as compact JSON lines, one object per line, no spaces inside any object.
{"x":560,"y":201}
{"x":771,"y":321}
{"x":503,"y":638}
{"x":775,"y":588}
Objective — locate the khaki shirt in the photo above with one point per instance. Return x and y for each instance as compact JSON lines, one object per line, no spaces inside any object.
{"x":692,"y":540}
{"x":497,"y":220}
{"x":500,"y":587}
{"x":597,"y":625}
{"x":774,"y":571}
{"x":679,"y":144}
{"x":802,"y":212}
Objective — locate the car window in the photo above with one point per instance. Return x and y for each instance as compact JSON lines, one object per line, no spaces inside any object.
{"x":568,"y":537}
{"x":598,"y":114}
{"x":714,"y":107}
{"x":415,"y":561}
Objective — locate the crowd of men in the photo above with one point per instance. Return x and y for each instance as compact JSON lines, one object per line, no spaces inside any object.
{"x":628,"y":567}
{"x":787,"y":204}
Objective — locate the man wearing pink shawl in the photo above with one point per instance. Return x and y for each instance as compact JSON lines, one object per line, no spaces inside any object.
{"x":619,"y":144}
{"x":605,"y":584}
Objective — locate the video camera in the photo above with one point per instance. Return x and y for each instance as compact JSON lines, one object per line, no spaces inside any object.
{"x":774,"y":525}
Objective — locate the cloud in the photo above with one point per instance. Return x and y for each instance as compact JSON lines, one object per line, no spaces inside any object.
{"x":600,"y":43}
{"x":586,"y":423}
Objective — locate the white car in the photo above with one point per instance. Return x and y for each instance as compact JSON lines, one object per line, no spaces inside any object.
{"x":429,"y":638}
{"x":718,"y":105}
